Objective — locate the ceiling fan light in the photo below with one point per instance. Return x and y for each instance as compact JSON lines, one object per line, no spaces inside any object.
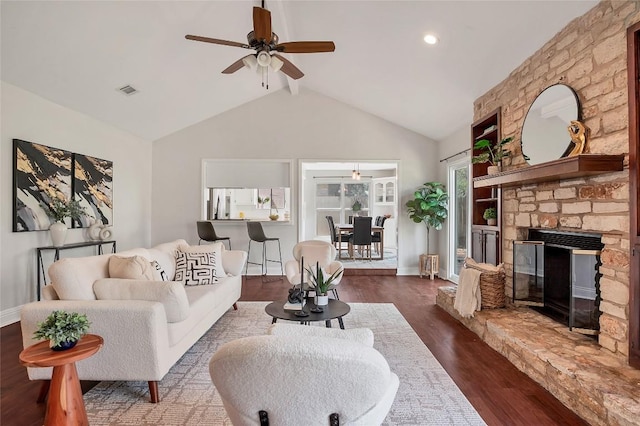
{"x":264,"y":59}
{"x":250,"y":61}
{"x":276,"y":64}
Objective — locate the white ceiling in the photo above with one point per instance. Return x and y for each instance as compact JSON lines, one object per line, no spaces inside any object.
{"x":77,"y":53}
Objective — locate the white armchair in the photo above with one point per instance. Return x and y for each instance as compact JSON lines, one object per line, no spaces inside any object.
{"x":313,"y":251}
{"x":298,"y":376}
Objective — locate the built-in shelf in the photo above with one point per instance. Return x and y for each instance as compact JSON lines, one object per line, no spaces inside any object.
{"x":486,"y":200}
{"x":486,"y":134}
{"x":486,"y":227}
{"x":564,"y":168}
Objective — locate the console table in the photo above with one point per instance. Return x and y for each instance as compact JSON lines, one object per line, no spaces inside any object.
{"x":41,"y":274}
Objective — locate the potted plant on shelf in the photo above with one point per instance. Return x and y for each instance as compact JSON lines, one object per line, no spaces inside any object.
{"x":493,"y":154}
{"x":62,"y":329}
{"x":59,"y":209}
{"x":321,"y":283}
{"x":491,"y":216}
{"x":429,"y":206}
{"x":263,"y":201}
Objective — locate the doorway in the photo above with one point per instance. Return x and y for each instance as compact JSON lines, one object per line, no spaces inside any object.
{"x":344,"y":189}
{"x":459,"y":224}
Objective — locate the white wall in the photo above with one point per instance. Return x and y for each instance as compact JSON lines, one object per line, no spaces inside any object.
{"x":456,"y":142}
{"x":34,"y":119}
{"x":308,"y":126}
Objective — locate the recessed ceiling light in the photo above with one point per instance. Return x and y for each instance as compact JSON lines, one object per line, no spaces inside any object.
{"x":430,"y":39}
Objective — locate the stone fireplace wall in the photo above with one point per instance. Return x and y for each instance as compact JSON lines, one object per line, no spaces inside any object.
{"x":590,"y":55}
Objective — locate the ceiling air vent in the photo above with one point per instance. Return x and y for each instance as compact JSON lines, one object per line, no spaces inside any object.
{"x":128,"y":90}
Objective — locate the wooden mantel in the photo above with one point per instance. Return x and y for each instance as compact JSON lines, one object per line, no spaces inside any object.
{"x":564,"y":168}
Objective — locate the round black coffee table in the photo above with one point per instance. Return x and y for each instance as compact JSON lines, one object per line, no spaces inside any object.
{"x":335,"y":309}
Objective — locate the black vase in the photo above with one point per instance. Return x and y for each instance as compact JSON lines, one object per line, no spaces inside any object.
{"x":63,"y":346}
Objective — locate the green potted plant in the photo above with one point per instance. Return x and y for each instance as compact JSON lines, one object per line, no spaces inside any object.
{"x":321,"y":282}
{"x":491,"y":215}
{"x":429,"y":206}
{"x":357,"y":205}
{"x":492,"y":154}
{"x":62,"y":329}
{"x":60,"y":209}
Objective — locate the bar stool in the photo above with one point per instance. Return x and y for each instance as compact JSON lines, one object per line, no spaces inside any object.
{"x":256,"y":233}
{"x":207,"y":232}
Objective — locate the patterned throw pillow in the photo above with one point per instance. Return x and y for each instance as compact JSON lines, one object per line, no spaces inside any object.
{"x":215,"y":248}
{"x":196,"y":268}
{"x":158,"y":273}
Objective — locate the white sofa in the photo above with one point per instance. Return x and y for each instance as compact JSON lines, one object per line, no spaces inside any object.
{"x":146,"y":325}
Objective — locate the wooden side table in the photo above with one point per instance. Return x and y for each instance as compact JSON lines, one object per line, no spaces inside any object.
{"x":65,"y":405}
{"x":429,"y":264}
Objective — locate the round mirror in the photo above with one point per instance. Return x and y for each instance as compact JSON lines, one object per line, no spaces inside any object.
{"x":544,"y":134}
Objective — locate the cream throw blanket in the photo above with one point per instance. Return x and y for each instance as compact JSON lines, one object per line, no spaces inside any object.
{"x":468,"y":298}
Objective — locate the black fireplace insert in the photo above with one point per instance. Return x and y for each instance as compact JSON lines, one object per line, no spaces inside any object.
{"x":557,"y":273}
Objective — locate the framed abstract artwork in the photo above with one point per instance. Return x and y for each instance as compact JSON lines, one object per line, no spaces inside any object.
{"x":93,"y":187}
{"x":41,"y":173}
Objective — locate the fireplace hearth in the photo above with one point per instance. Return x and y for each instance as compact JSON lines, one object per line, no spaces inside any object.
{"x":557,"y":273}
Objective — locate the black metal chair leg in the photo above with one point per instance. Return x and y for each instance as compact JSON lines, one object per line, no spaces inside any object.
{"x":248,"y":258}
{"x":280,"y":253}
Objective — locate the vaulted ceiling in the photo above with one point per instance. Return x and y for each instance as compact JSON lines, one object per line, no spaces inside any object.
{"x":78,"y":53}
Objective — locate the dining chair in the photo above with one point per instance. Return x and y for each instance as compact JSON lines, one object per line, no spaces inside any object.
{"x":207,"y":232}
{"x":335,"y":238}
{"x":376,"y":237}
{"x":361,"y":237}
{"x":256,"y":234}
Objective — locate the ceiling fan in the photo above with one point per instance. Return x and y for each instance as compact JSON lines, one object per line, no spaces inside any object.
{"x":267,"y":46}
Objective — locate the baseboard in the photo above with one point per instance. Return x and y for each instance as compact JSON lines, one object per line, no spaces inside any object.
{"x":370,"y":271}
{"x":9,"y":316}
{"x":408,"y":271}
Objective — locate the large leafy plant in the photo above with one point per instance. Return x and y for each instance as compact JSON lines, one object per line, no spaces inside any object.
{"x":61,"y":326}
{"x":491,"y":153}
{"x":429,"y":206}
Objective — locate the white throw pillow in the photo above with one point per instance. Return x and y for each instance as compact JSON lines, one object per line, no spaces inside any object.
{"x":158,"y":273}
{"x":196,"y":268}
{"x":215,"y":248}
{"x":133,"y":268}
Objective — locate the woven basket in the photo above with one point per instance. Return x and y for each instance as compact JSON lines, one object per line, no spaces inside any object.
{"x":491,"y":286}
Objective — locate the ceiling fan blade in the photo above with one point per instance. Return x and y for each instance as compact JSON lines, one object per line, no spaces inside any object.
{"x":262,"y":24}
{"x":289,"y":69}
{"x":217,"y":41}
{"x":235,"y":66}
{"x":306,"y":47}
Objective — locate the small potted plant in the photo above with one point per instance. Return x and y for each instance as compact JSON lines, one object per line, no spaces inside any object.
{"x":321,"y":283}
{"x":63,"y":329}
{"x":59,"y":209}
{"x":492,"y":154}
{"x":491,"y":216}
{"x":356,"y":206}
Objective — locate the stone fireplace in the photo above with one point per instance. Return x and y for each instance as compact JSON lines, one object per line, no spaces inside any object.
{"x":589,"y":55}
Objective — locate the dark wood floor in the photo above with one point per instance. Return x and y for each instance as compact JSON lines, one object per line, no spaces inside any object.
{"x":499,"y":392}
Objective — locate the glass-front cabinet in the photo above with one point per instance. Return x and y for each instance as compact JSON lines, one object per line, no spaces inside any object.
{"x":384,"y":190}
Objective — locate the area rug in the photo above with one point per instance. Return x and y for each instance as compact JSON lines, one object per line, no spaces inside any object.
{"x":426,"y":396}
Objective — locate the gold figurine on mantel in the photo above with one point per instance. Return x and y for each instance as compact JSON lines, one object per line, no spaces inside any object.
{"x":579,"y":134}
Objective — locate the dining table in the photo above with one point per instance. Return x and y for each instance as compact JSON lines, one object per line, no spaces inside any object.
{"x":347,"y":228}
